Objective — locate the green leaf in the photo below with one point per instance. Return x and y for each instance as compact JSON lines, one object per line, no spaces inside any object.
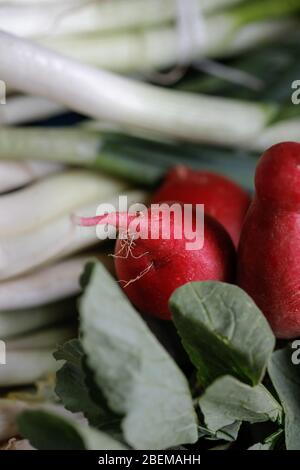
{"x":285,"y":377}
{"x":228,"y":433}
{"x":223,"y":331}
{"x":228,"y":400}
{"x":136,"y":375}
{"x":269,"y":443}
{"x":72,"y":389}
{"x":49,"y":431}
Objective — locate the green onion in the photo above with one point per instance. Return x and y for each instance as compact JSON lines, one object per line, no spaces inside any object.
{"x":57,"y":195}
{"x":141,"y":50}
{"x":31,"y":19}
{"x":49,"y":284}
{"x":55,"y":239}
{"x":26,"y":367}
{"x":101,"y":94}
{"x":19,"y":322}
{"x":23,"y":109}
{"x":13,"y":175}
{"x":44,"y":339}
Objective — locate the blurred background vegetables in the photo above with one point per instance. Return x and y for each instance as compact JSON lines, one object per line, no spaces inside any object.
{"x":103,"y":98}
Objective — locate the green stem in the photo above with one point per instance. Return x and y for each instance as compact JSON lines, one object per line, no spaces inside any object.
{"x":260,"y":10}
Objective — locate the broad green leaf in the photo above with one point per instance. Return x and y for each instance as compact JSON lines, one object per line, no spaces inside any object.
{"x":228,"y":433}
{"x":136,"y":375}
{"x":72,"y":389}
{"x":223,"y":331}
{"x":286,"y":380}
{"x":228,"y":400}
{"x":269,"y":443}
{"x":48,"y":431}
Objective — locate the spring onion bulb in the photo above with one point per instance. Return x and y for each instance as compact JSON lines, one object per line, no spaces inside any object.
{"x":56,"y":196}
{"x":49,"y":284}
{"x":13,"y":175}
{"x":31,"y":19}
{"x":26,"y":367}
{"x":54,"y":240}
{"x":44,"y":339}
{"x":103,"y":95}
{"x":19,"y":322}
{"x":24,"y":109}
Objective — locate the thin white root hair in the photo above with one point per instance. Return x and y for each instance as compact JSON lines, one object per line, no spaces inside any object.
{"x":142,"y":274}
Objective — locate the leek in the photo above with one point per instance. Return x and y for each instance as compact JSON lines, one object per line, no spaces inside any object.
{"x":49,"y":284}
{"x":56,"y":196}
{"x":55,"y":239}
{"x":26,"y":367}
{"x":45,"y":339}
{"x":32,"y":19}
{"x":23,"y":109}
{"x":19,"y":322}
{"x":100,"y":94}
{"x":13,"y":175}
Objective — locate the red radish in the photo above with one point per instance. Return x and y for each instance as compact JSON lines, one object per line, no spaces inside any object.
{"x":223,"y":199}
{"x":269,"y":252}
{"x":149,"y":269}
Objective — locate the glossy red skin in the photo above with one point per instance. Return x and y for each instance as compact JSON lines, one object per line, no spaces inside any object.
{"x":173,"y":266}
{"x":223,"y":199}
{"x":269,"y":251}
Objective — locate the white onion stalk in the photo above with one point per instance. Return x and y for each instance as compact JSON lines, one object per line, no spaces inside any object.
{"x":26,"y":367}
{"x":287,"y":130}
{"x":24,"y":109}
{"x":51,"y":198}
{"x":49,"y":284}
{"x":103,"y":95}
{"x":13,"y":175}
{"x":54,"y":240}
{"x":19,"y":322}
{"x":141,"y":50}
{"x":82,"y":16}
{"x":45,"y":339}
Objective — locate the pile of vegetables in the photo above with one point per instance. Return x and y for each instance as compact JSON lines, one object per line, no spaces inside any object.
{"x":143,"y":344}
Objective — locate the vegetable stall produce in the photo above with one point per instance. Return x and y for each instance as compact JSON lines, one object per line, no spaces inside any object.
{"x":173,"y":334}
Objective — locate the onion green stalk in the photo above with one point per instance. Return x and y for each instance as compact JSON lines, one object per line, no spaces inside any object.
{"x":56,"y":196}
{"x":141,"y":50}
{"x":26,"y":367}
{"x":24,"y":109}
{"x":100,"y":94}
{"x":30,"y":19}
{"x":13,"y":175}
{"x":55,"y":239}
{"x":82,"y":147}
{"x":19,"y":322}
{"x":44,"y":339}
{"x":46,"y":285}
{"x":144,"y":161}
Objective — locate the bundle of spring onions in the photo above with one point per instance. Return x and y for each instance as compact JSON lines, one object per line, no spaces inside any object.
{"x":215,"y":115}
